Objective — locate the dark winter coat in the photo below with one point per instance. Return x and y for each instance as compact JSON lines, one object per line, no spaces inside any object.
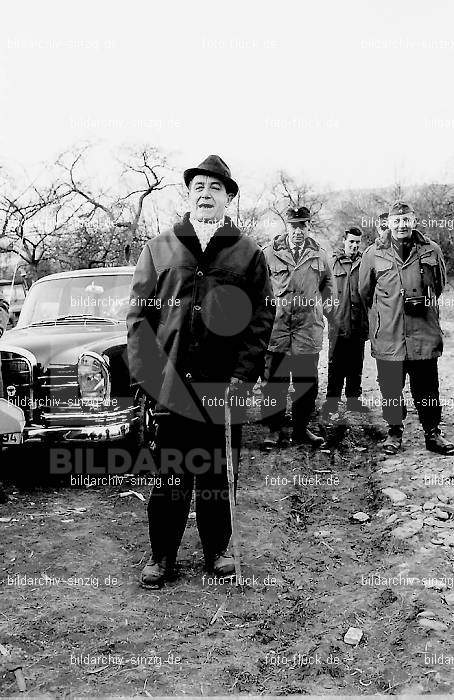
{"x":349,"y":317}
{"x":395,"y":335}
{"x":197,"y":318}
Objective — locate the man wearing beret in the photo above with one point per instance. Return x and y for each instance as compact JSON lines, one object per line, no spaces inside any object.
{"x":198,"y":324}
{"x":400,"y":280}
{"x":303,"y":292}
{"x":348,"y":328}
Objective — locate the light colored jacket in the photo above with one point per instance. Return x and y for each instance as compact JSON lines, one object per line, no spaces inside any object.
{"x":303,"y":294}
{"x":394,"y":335}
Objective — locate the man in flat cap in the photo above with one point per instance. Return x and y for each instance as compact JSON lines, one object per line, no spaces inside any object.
{"x":348,"y":328}
{"x":198,"y":324}
{"x":303,"y":292}
{"x":400,"y":280}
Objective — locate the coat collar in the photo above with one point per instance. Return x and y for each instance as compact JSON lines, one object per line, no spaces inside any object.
{"x":280,"y":242}
{"x":340,"y":258}
{"x":224,"y":237}
{"x":384,"y":248}
{"x":281,"y":248}
{"x":339,"y":254}
{"x":416,"y":235}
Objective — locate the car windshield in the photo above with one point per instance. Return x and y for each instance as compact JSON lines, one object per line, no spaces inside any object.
{"x":98,"y":296}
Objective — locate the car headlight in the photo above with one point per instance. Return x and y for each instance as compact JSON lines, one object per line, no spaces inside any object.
{"x":94,"y":380}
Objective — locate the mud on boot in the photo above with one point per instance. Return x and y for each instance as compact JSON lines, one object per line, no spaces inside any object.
{"x":393,"y":442}
{"x":155,"y":572}
{"x":435,"y":442}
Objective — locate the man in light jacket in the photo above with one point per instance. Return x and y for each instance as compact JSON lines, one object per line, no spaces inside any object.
{"x":400,"y":280}
{"x":303,"y":293}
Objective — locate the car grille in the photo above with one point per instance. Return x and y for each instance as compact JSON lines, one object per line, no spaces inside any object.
{"x":58,"y":388}
{"x":17,"y":375}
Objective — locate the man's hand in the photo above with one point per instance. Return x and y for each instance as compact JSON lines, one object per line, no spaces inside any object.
{"x":238,"y":387}
{"x":235,"y":385}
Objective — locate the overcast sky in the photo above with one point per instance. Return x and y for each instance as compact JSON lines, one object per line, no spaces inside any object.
{"x":345,"y":94}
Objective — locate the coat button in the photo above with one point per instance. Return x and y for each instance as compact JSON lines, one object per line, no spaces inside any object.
{"x":197,"y":308}
{"x":199,"y":273}
{"x":188,"y":376}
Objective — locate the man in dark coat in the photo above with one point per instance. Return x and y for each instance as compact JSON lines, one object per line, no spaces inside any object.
{"x":400,"y":281}
{"x":348,"y":328}
{"x":198,"y":323}
{"x":303,"y":293}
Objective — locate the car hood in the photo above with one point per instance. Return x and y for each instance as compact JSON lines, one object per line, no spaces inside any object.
{"x":64,"y":344}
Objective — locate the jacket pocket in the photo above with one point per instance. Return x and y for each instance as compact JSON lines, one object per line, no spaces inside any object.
{"x":382,"y":266}
{"x":378,"y":325}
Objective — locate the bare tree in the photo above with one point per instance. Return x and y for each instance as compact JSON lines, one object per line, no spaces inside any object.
{"x":287,"y":193}
{"x":68,"y":217}
{"x":143,"y":172}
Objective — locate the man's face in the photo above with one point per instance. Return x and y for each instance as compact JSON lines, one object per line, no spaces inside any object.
{"x":382,"y":226}
{"x":297,"y":231}
{"x":351,"y":245}
{"x":208,"y":198}
{"x":401,"y":225}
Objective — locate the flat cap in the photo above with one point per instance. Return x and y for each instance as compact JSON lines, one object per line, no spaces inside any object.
{"x":299,"y":214}
{"x":399,"y":208}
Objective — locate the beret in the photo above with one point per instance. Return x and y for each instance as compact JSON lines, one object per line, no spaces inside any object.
{"x":299,"y":214}
{"x":400,"y":208}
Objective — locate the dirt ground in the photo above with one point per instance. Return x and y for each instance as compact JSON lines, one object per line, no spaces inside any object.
{"x":73,"y":613}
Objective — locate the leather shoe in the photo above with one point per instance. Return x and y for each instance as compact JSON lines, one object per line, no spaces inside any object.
{"x":436,"y":443}
{"x":154,"y":573}
{"x":306,"y":437}
{"x":271,"y":440}
{"x":284,"y":437}
{"x":393,"y":442}
{"x":223,"y":565}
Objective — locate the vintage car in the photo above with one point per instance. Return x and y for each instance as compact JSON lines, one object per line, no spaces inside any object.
{"x":65,"y":363}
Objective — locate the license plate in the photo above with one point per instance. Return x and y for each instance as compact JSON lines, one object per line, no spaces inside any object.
{"x":11,"y":439}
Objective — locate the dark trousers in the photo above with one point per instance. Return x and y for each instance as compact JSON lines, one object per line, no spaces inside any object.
{"x":304,"y":369}
{"x":424,"y":389}
{"x":345,"y":364}
{"x":191,"y":453}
